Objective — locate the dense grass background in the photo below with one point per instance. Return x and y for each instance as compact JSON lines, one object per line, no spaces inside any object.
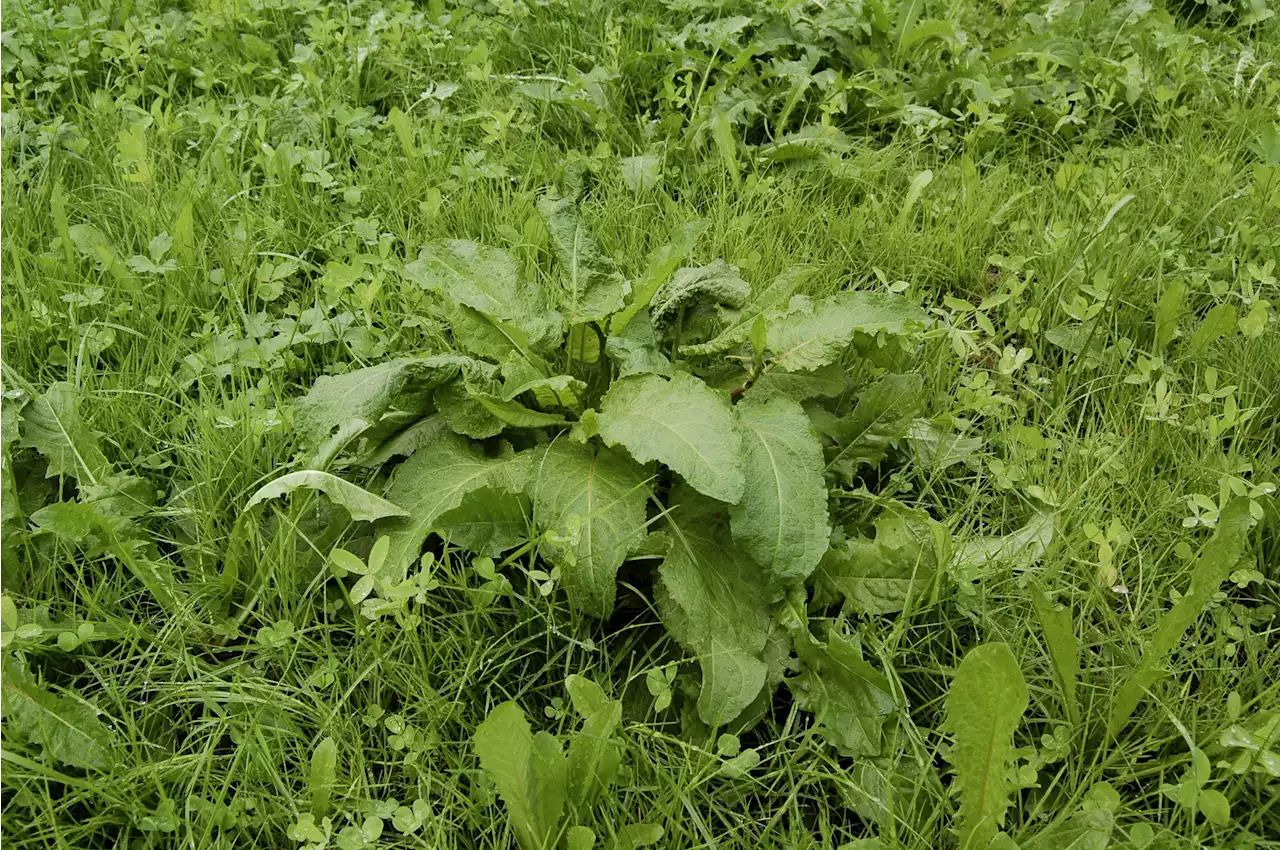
{"x":1136,"y":150}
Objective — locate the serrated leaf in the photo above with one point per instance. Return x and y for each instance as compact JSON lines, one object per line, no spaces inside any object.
{"x":489,"y":521}
{"x":714,"y":600}
{"x":681,"y":423}
{"x":364,"y":395}
{"x":67,"y":729}
{"x":883,"y":414}
{"x":594,"y":756}
{"x":984,"y":707}
{"x":808,"y":335}
{"x":881,"y":576}
{"x":51,"y":425}
{"x":360,"y":503}
{"x":849,"y":698}
{"x":529,"y":772}
{"x":604,"y":493}
{"x":635,"y":350}
{"x":435,"y":479}
{"x":762,"y":302}
{"x":593,"y":289}
{"x":781,"y":520}
{"x":1216,"y":560}
{"x":717,"y":283}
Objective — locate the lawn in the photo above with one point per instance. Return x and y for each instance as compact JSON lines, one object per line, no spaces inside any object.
{"x":691,"y":424}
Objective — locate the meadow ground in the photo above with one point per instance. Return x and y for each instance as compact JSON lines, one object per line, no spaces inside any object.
{"x":1063,"y":439}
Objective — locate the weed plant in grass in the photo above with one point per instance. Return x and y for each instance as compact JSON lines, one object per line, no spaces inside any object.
{"x":677,"y":424}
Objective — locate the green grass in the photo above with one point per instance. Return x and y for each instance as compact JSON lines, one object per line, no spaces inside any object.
{"x":173,"y":374}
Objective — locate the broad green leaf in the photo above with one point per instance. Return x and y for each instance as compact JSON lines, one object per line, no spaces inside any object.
{"x":1220,"y":321}
{"x":641,"y":173}
{"x":593,"y":287}
{"x":883,"y":414}
{"x":1087,"y":830}
{"x":984,"y":707}
{"x":11,"y":512}
{"x":1060,"y":638}
{"x":51,"y":425}
{"x":1216,"y":560}
{"x":515,"y":414}
{"x":594,"y":756}
{"x":761,"y":303}
{"x":485,"y":279}
{"x":519,"y":377}
{"x":360,"y":503}
{"x":579,"y":838}
{"x":529,"y":772}
{"x":781,"y":520}
{"x":715,"y":283}
{"x":883,"y":575}
{"x":849,"y":698}
{"x":637,"y":835}
{"x":1168,"y":312}
{"x":67,"y":729}
{"x":491,"y":337}
{"x":489,"y":521}
{"x":466,"y":414}
{"x":806,"y":336}
{"x":681,"y":423}
{"x":434,"y":480}
{"x":323,"y":777}
{"x":714,"y":600}
{"x":364,"y":395}
{"x":594,"y":501}
{"x":827,"y":382}
{"x":72,"y":521}
{"x":635,"y":350}
{"x":661,"y":265}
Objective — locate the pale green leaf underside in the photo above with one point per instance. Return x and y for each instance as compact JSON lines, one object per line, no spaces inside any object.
{"x":606,"y":491}
{"x":360,"y":503}
{"x":984,"y":707}
{"x":366,"y":394}
{"x":435,"y":479}
{"x":681,"y":423}
{"x":781,"y":520}
{"x":762,"y":301}
{"x":807,"y":335}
